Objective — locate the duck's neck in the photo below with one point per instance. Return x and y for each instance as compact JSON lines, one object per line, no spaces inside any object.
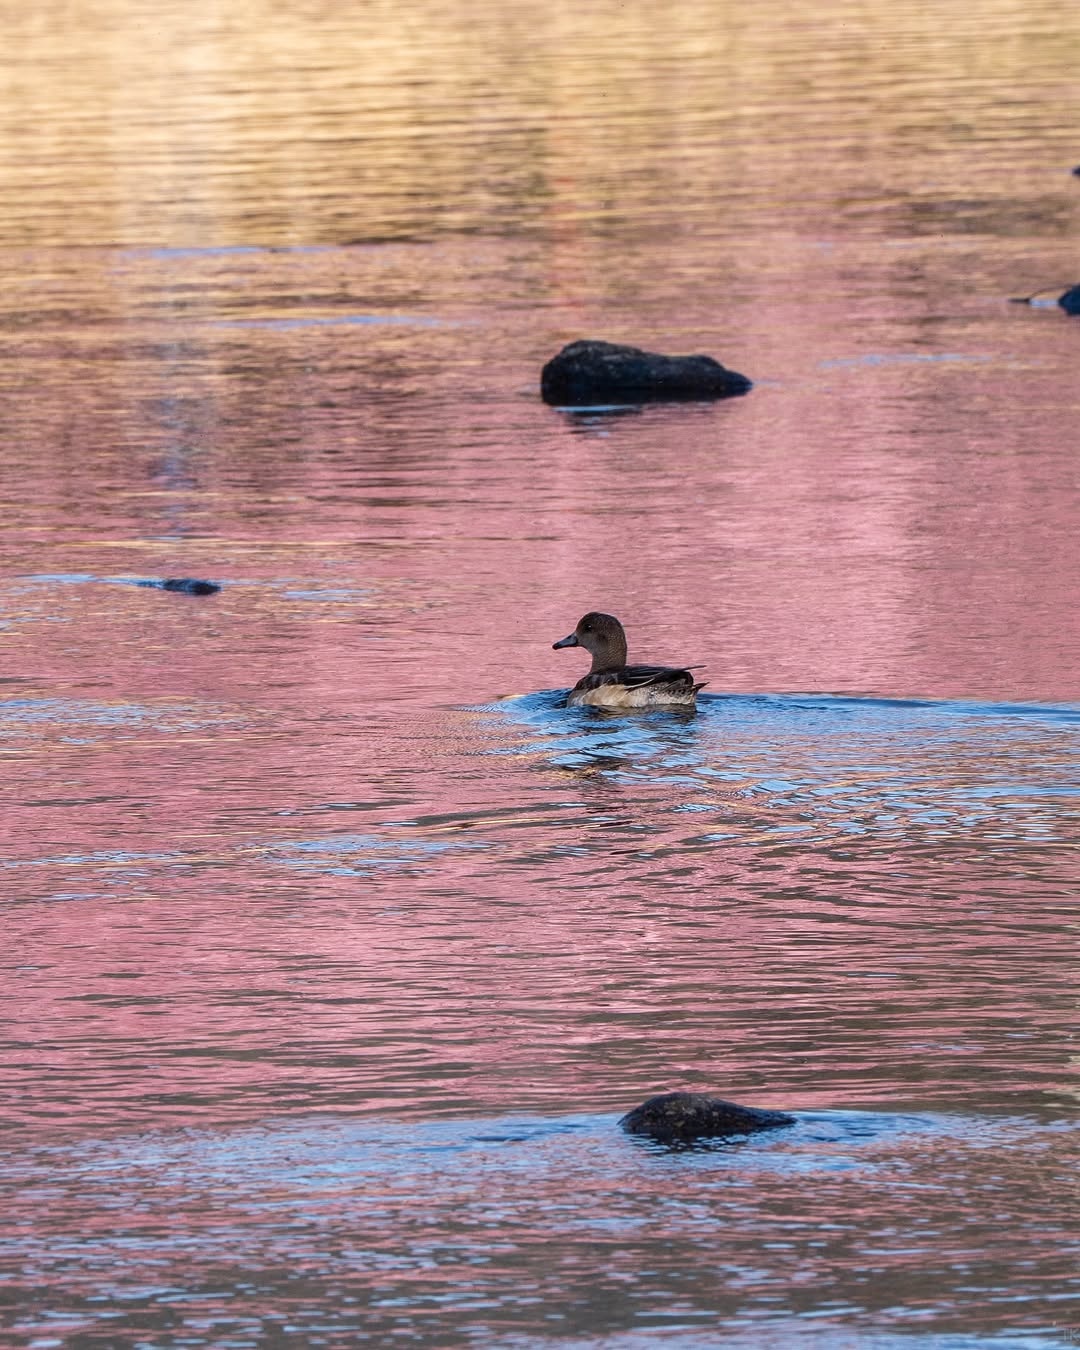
{"x":612,"y":657}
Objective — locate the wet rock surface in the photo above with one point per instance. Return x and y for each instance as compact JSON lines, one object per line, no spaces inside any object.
{"x":1070,"y":300}
{"x":186,"y":585}
{"x":589,"y":372}
{"x":681,"y":1117}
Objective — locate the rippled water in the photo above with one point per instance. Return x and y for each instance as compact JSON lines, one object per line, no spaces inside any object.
{"x":335,"y":944}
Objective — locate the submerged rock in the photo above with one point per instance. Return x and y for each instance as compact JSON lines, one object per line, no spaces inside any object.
{"x":681,"y":1117}
{"x":590,"y":372}
{"x":1070,"y":300}
{"x":188,"y":585}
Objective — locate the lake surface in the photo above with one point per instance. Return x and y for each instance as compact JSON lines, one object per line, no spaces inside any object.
{"x":334,"y":944}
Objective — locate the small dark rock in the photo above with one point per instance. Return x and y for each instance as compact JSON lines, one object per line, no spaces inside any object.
{"x":188,"y":585}
{"x":681,"y":1117}
{"x":587,"y":373}
{"x":1070,"y":300}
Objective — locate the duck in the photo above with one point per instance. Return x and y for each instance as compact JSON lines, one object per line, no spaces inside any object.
{"x":611,"y":683}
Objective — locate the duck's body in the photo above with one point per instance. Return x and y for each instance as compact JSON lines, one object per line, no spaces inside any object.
{"x":635,"y":687}
{"x":611,"y":683}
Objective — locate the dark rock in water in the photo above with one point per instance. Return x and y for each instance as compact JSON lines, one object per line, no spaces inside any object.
{"x":681,"y":1117}
{"x":188,"y":585}
{"x":587,"y":373}
{"x":1070,"y":300}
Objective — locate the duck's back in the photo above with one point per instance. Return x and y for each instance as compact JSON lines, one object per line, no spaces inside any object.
{"x":636,"y":687}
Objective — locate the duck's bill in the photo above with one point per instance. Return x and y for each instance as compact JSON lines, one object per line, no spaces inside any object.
{"x":570,"y":641}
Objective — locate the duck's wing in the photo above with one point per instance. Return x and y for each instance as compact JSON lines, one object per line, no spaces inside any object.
{"x":633,"y":677}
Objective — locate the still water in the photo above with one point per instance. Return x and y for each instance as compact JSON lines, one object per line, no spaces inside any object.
{"x":334,"y":945}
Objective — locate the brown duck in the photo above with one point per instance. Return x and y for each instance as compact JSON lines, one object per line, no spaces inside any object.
{"x":611,"y":683}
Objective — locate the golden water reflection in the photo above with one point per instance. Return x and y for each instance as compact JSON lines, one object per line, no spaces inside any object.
{"x":136,"y":123}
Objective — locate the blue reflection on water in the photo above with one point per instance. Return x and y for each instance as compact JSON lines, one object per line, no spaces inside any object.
{"x":360,"y":855}
{"x":853,"y":764}
{"x":334,"y":321}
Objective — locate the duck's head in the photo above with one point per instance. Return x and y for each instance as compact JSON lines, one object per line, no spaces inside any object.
{"x":602,"y":637}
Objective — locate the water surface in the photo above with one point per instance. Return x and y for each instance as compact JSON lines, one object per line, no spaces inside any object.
{"x":335,"y":944}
